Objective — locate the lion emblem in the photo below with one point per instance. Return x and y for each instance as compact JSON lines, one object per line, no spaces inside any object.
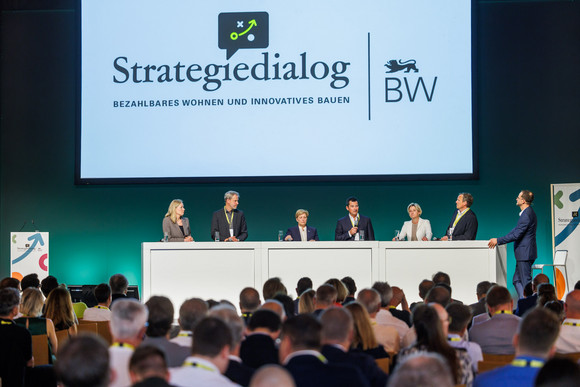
{"x":394,"y":66}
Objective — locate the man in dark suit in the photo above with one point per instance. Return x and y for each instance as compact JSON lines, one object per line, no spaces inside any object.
{"x":299,"y":352}
{"x":524,"y":236}
{"x":349,"y":228}
{"x":463,"y":225}
{"x":480,"y":292}
{"x":229,"y":222}
{"x":302,"y":232}
{"x":259,"y":347}
{"x":527,"y":303}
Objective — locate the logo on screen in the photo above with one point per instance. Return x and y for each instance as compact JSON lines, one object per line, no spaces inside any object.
{"x":238,"y":30}
{"x":395,"y":66}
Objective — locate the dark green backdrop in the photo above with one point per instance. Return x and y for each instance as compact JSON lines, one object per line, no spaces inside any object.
{"x":528,"y":114}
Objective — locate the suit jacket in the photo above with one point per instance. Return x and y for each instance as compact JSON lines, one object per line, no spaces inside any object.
{"x":478,"y":307}
{"x":523,"y":236}
{"x":365,"y":363}
{"x":423,"y":230}
{"x":220,"y":223}
{"x":294,"y":232}
{"x":310,"y":371}
{"x":495,"y":335}
{"x":466,"y":227}
{"x":174,"y":231}
{"x":343,"y":226}
{"x":525,"y":304}
{"x":257,"y":350}
{"x":402,"y":315}
{"x":239,"y":373}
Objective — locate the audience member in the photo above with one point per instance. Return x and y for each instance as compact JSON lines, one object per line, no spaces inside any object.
{"x":546,"y":293}
{"x":384,"y":316}
{"x":325,"y":298}
{"x":30,"y":281}
{"x":495,"y":335}
{"x":209,"y":356}
{"x":480,"y":292}
{"x":101,"y":311}
{"x":364,"y":337}
{"x":237,"y":372}
{"x":337,"y":335}
{"x":249,"y":302}
{"x":341,"y":290}
{"x":424,"y":288}
{"x":442,"y":279}
{"x":534,"y":343}
{"x":59,"y":308}
{"x":303,"y":285}
{"x":306,"y":303}
{"x":577,"y":285}
{"x":524,"y":304}
{"x":287,"y":302}
{"x":299,"y":352}
{"x":558,"y":308}
{"x":159,"y":324}
{"x":425,"y":369}
{"x":569,"y":338}
{"x":400,"y":299}
{"x":439,"y":294}
{"x":272,"y":287}
{"x":387,"y":336}
{"x":459,"y":318}
{"x":558,"y":372}
{"x":16,"y":353}
{"x":276,"y":307}
{"x":148,"y":367}
{"x":128,"y":326}
{"x":10,"y":282}
{"x":48,"y":284}
{"x":83,"y":361}
{"x":272,"y":376}
{"x":351,"y":287}
{"x":191,"y":312}
{"x":119,"y":286}
{"x":259,"y":347}
{"x":528,"y":290}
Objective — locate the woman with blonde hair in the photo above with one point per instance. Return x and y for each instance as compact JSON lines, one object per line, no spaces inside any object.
{"x":59,"y":309}
{"x":306,"y":302}
{"x":175,"y":226}
{"x":416,"y":229}
{"x":364,"y":336}
{"x":31,"y":309}
{"x":341,"y":290}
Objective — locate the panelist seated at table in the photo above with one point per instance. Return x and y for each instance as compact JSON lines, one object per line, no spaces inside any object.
{"x":228,"y":222}
{"x":175,"y":226}
{"x":352,"y":226}
{"x":302,"y":232}
{"x":463,"y":225}
{"x":416,"y":229}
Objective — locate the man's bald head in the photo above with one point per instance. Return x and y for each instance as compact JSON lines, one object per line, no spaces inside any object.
{"x":538,"y":280}
{"x":572,"y":304}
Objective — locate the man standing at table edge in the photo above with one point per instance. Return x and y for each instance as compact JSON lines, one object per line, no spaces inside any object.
{"x":229,"y":221}
{"x":524,"y":238}
{"x":349,"y":227}
{"x":463,"y":225}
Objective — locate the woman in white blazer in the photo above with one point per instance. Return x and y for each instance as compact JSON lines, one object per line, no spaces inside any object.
{"x":423,"y":226}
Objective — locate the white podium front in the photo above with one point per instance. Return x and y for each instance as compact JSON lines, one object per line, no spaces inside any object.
{"x":221,"y":270}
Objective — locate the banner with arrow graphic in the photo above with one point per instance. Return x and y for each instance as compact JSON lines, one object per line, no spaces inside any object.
{"x":29,"y":254}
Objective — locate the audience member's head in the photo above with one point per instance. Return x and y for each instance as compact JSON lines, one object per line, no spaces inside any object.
{"x":160,"y":316}
{"x":572,"y":304}
{"x":249,"y":300}
{"x":528,"y":290}
{"x":341,"y":290}
{"x":460,"y":315}
{"x":325,"y":296}
{"x":441,"y":278}
{"x":287,"y":302}
{"x":537,"y":334}
{"x":425,"y":369}
{"x":83,"y":361}
{"x":303,"y":285}
{"x":59,"y":308}
{"x":211,"y":340}
{"x":272,"y":287}
{"x":364,"y":335}
{"x":577,"y":285}
{"x":538,"y":280}
{"x":424,"y":288}
{"x":276,"y":307}
{"x":300,"y":332}
{"x":482,"y":289}
{"x":265,"y":321}
{"x":385,"y":291}
{"x":558,"y":372}
{"x":558,"y":308}
{"x":118,"y":284}
{"x":337,"y":326}
{"x":371,"y":300}
{"x":306,"y":303}
{"x":233,"y":321}
{"x":498,"y":298}
{"x":9,"y":302}
{"x":128,"y":320}
{"x":102,"y":293}
{"x":30,"y":281}
{"x":148,"y":362}
{"x":546,"y":293}
{"x":398,"y":296}
{"x":272,"y":375}
{"x":191,"y":312}
{"x":47,"y":284}
{"x":10,"y":282}
{"x":31,"y":303}
{"x":350,"y":285}
{"x":439,"y":295}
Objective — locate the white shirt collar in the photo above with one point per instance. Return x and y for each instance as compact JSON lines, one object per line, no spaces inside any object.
{"x":303,"y":352}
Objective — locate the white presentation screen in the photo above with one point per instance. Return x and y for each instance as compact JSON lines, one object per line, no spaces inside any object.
{"x":270,"y":90}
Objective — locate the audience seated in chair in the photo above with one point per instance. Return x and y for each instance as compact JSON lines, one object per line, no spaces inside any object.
{"x":249,"y":303}
{"x":387,"y":336}
{"x":525,"y":304}
{"x":259,"y":347}
{"x":84,"y":361}
{"x":569,"y":338}
{"x":384,"y":316}
{"x":101,"y":311}
{"x":191,"y":312}
{"x":148,"y":367}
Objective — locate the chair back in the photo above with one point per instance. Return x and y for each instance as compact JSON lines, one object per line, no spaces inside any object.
{"x":40,"y":350}
{"x":560,"y":257}
{"x":62,"y":337}
{"x":101,"y":328}
{"x":384,"y":364}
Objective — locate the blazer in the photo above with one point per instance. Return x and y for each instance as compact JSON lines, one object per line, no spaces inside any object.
{"x":525,"y":304}
{"x":174,"y":231}
{"x":466,"y":228}
{"x":257,"y":350}
{"x":495,"y":335}
{"x":523,"y":236}
{"x":220,"y":223}
{"x":310,"y":371}
{"x":294,"y":232}
{"x":423,"y":230}
{"x":343,"y":226}
{"x":365,"y":363}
